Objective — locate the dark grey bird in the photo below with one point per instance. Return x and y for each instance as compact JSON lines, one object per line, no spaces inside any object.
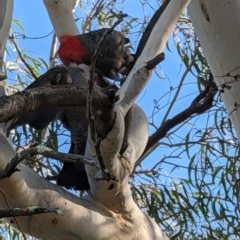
{"x":72,"y":175}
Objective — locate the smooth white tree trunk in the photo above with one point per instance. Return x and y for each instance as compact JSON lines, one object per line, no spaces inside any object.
{"x":61,"y":16}
{"x":6,"y":9}
{"x":217,"y":26}
{"x":103,"y":214}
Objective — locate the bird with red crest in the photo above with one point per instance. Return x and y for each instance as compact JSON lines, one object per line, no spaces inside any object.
{"x":113,"y":56}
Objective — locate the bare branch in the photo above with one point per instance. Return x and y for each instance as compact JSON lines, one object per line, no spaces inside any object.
{"x":52,"y":55}
{"x":149,"y":28}
{"x":155,"y":61}
{"x":46,"y":152}
{"x":90,"y":116}
{"x":199,"y":105}
{"x":6,"y":10}
{"x":29,"y":211}
{"x":154,"y":46}
{"x":49,"y":97}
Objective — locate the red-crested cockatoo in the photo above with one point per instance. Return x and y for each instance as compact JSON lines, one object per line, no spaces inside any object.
{"x":113,"y":56}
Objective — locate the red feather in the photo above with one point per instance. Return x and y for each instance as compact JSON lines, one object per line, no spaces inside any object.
{"x":71,"y":49}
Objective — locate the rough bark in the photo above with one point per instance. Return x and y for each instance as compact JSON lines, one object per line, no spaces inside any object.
{"x":217,"y":26}
{"x":47,"y":97}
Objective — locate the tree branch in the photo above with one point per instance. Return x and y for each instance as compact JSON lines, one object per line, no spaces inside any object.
{"x":130,"y":90}
{"x":93,"y":129}
{"x":27,"y":188}
{"x":49,"y":97}
{"x":199,"y":105}
{"x":46,"y":152}
{"x":6,"y":10}
{"x":29,"y":211}
{"x":66,"y":23}
{"x":53,"y":51}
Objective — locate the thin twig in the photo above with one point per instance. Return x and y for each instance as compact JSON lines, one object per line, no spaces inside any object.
{"x":90,"y":116}
{"x":199,"y":105}
{"x":52,"y":55}
{"x":46,"y":152}
{"x":183,"y":78}
{"x":22,"y":59}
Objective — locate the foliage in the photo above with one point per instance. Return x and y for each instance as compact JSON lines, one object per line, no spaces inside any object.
{"x":190,"y":183}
